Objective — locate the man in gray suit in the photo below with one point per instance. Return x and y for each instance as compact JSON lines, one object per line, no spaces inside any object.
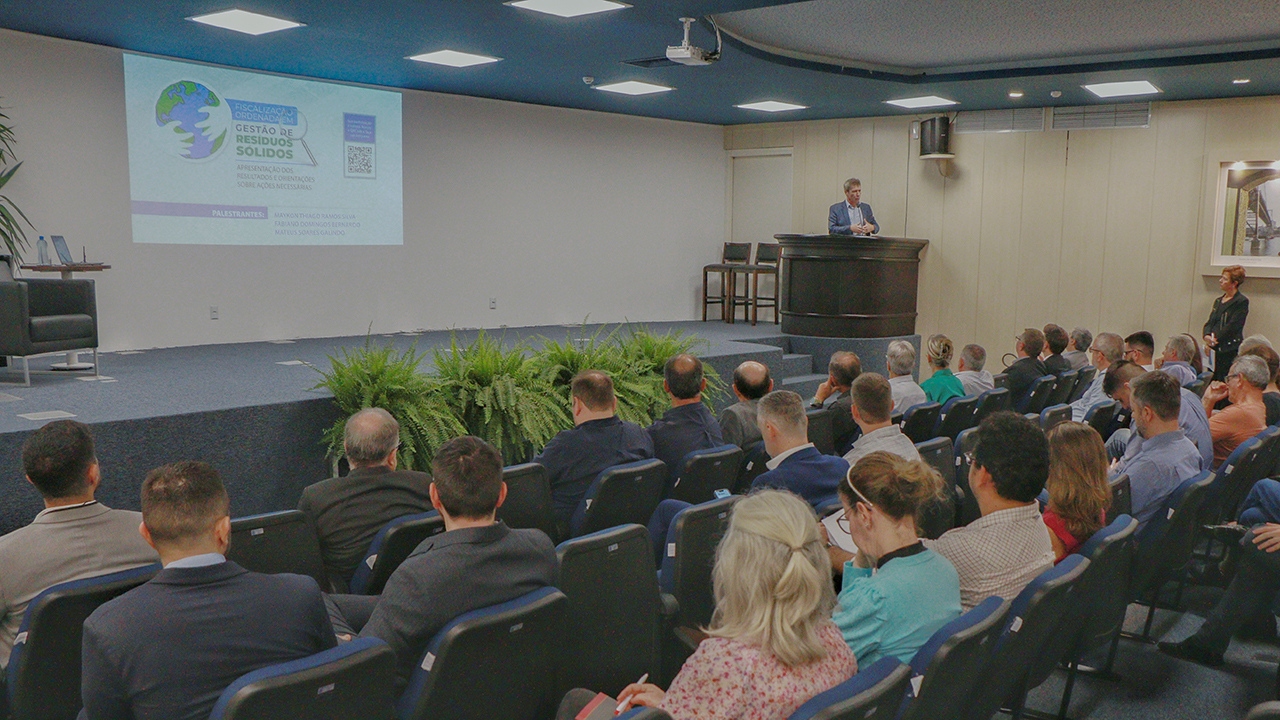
{"x":74,"y":537}
{"x":751,"y":382}
{"x":477,"y":562}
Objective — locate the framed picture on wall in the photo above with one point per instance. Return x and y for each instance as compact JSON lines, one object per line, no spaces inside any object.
{"x":1246,"y":224}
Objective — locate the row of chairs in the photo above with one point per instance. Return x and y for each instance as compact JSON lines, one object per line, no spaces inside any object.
{"x":735,"y":262}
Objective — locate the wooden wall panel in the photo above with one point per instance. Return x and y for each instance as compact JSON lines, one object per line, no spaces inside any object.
{"x":1128,"y":227}
{"x":999,"y":254}
{"x":1041,"y":232}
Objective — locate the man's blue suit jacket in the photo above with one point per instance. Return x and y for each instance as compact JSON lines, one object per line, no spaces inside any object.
{"x":838,"y":219}
{"x":808,"y":473}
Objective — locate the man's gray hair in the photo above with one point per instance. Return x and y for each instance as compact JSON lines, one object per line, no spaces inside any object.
{"x":1181,"y":347}
{"x":851,"y":182}
{"x":1111,"y":345}
{"x":1254,"y":341}
{"x":784,"y":409}
{"x":974,"y":357}
{"x":1081,"y":339}
{"x":902,"y":357}
{"x":369,"y":436}
{"x":1253,"y":370}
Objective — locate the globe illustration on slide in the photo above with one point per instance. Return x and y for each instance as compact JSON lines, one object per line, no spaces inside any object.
{"x":193,"y":120}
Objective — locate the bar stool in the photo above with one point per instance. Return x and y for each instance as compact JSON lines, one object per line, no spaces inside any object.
{"x":734,"y":255}
{"x":767,"y":255}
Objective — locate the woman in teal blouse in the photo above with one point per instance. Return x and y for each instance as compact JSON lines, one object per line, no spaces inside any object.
{"x":942,"y":385}
{"x":896,"y":593}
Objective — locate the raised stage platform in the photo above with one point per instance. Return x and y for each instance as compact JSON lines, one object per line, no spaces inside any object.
{"x":252,"y":411}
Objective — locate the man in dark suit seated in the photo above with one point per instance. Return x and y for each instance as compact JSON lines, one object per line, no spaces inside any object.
{"x":347,"y":512}
{"x":842,"y":370}
{"x":852,"y":217}
{"x":795,"y":464}
{"x":688,"y":425}
{"x":1056,"y":339}
{"x":167,"y":650}
{"x":477,"y":562}
{"x":751,"y":382}
{"x":598,"y":440}
{"x":1027,"y":368}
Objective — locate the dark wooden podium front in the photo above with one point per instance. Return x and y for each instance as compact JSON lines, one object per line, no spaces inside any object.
{"x":849,"y":285}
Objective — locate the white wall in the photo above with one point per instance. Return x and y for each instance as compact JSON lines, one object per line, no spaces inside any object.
{"x":556,"y":213}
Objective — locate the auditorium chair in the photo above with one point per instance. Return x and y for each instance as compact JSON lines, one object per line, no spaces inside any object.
{"x":1165,"y":544}
{"x":1121,"y":497}
{"x":875,"y":693}
{"x":39,"y":317}
{"x":1000,"y":380}
{"x":393,"y":544}
{"x":991,"y":401}
{"x":733,"y":256}
{"x":956,"y":415}
{"x":822,"y":430}
{"x":1063,"y":388}
{"x":43,"y":677}
{"x":1100,"y":417}
{"x":1087,"y":375}
{"x":1201,"y":383}
{"x":1035,"y":617}
{"x":939,"y":515}
{"x":611,"y":628}
{"x":356,"y":679}
{"x":1037,"y":396}
{"x":277,"y":542}
{"x":528,"y":503}
{"x":496,"y":662}
{"x":706,"y":474}
{"x":919,"y":421}
{"x":1251,"y":461}
{"x":620,"y":495}
{"x":1265,"y":711}
{"x":690,"y":555}
{"x":948,"y":667}
{"x":1054,"y":415}
{"x":965,"y":443}
{"x":753,"y":466}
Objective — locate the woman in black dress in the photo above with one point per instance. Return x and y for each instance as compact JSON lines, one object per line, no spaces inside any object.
{"x":1225,"y":327}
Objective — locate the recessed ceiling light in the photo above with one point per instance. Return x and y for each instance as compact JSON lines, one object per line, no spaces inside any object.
{"x":633,"y":87}
{"x":1240,"y":81}
{"x":771,"y":106}
{"x":1121,"y":89}
{"x":245,"y":22}
{"x":927,"y":101}
{"x":453,"y":58}
{"x":1015,"y":94}
{"x":568,"y":8}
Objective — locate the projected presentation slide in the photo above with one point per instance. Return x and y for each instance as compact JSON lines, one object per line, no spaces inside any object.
{"x":224,"y":157}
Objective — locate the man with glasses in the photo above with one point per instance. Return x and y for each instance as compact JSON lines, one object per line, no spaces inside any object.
{"x":1246,"y":415}
{"x":1140,"y":347}
{"x":346,"y":512}
{"x":1106,"y":350}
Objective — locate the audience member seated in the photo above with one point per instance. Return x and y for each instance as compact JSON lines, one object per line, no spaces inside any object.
{"x":1006,"y":548}
{"x":1056,"y":341}
{"x":842,"y":370}
{"x":1079,"y":493}
{"x":168,"y":648}
{"x":597,"y":440}
{"x":1270,"y":395}
{"x":1254,"y":341}
{"x":1166,"y":457}
{"x":1107,"y":349}
{"x":1176,"y":359}
{"x":969,"y":372}
{"x":475,"y":563}
{"x":1124,"y":443}
{"x":1140,"y":347}
{"x":688,"y":425}
{"x":901,"y":359}
{"x":896,"y":593}
{"x":1078,"y":348}
{"x":943,"y":384}
{"x":347,"y":512}
{"x":74,"y":537}
{"x":795,"y":464}
{"x":1246,"y":415}
{"x":1027,"y":368}
{"x":872,"y":406}
{"x":771,"y":645}
{"x":751,"y":382}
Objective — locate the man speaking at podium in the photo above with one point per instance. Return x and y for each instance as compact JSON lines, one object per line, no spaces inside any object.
{"x":852,"y":217}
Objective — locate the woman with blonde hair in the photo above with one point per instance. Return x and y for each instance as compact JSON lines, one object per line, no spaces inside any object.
{"x":1079,"y":493}
{"x":896,"y":592}
{"x":943,"y":384}
{"x":771,"y":645}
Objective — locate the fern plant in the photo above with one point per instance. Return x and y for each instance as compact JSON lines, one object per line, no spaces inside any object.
{"x":383,"y":377}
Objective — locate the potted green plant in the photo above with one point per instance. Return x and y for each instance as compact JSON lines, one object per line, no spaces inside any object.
{"x":11,"y":218}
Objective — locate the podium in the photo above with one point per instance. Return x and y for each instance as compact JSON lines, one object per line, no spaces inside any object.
{"x":849,"y":286}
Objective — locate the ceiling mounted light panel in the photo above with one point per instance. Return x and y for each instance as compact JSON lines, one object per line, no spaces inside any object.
{"x":453,"y":58}
{"x":771,"y":106}
{"x":568,"y":8}
{"x":633,"y":87}
{"x":927,"y":101}
{"x":1122,"y":89}
{"x":245,"y":22}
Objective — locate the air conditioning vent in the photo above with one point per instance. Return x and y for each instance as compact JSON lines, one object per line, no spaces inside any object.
{"x":1099,"y":117}
{"x":995,"y":121}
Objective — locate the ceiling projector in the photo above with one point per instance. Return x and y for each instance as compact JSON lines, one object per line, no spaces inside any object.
{"x":687,"y":54}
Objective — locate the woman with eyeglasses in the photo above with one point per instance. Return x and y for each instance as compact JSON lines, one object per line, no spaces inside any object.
{"x":896,"y":593}
{"x":1079,"y":493}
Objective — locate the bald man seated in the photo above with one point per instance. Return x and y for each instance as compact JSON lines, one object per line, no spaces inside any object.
{"x":751,"y":382}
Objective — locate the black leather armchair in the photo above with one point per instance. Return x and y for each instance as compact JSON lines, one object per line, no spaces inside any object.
{"x":38,"y":317}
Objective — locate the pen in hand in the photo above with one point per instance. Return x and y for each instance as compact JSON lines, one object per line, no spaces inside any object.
{"x":622,"y":702}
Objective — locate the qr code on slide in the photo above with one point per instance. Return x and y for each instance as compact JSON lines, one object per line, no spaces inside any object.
{"x":360,"y":161}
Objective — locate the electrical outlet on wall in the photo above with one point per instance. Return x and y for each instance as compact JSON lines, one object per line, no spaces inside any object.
{"x":493,"y":303}
{"x":213,"y":312}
